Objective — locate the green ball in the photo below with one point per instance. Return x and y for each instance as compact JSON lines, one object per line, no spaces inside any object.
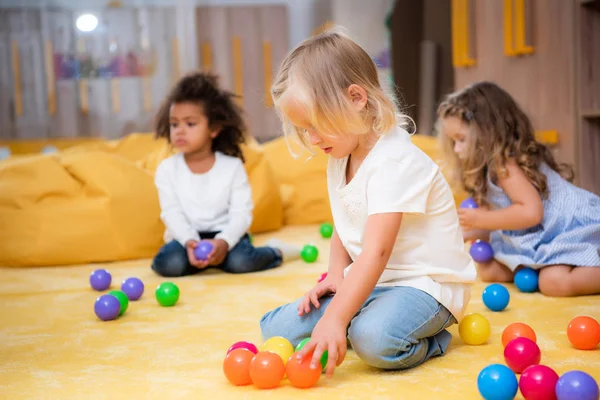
{"x":123,"y":300}
{"x":324,"y":356}
{"x":167,"y":294}
{"x":251,"y":238}
{"x":326,"y":230}
{"x":309,"y":253}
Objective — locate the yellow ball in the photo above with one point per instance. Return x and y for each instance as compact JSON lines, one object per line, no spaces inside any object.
{"x":474,"y":329}
{"x":280,"y":346}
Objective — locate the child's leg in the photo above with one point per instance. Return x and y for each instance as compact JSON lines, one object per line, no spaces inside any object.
{"x":494,"y":271}
{"x":244,"y":258}
{"x":172,"y":260}
{"x":284,"y":321}
{"x":567,"y":281}
{"x":399,"y":328}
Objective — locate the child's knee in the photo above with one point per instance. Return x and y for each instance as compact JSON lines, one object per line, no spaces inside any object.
{"x":372,"y":345}
{"x":170,"y":264}
{"x":238,"y":263}
{"x":554,"y":282}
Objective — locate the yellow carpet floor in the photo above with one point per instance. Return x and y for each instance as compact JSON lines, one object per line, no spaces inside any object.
{"x":52,"y":346}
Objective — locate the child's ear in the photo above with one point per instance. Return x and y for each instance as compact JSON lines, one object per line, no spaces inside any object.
{"x":358,"y":96}
{"x":215,"y":130}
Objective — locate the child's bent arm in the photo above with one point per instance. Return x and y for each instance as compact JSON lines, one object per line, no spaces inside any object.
{"x":526,"y":209}
{"x":380,"y":235}
{"x":171,"y":213}
{"x":338,"y":257}
{"x":474,"y":234}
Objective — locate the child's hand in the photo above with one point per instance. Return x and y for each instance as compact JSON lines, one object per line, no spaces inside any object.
{"x":329,"y":334}
{"x":219,"y":252}
{"x":190,"y":245}
{"x":326,"y":286}
{"x":470,"y":218}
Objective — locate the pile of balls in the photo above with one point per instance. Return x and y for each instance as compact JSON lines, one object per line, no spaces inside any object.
{"x":266,"y":367}
{"x":109,"y":306}
{"x":523,"y":356}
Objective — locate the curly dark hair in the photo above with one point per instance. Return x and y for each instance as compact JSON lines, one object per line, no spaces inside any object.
{"x":219,"y":107}
{"x":502,"y":131}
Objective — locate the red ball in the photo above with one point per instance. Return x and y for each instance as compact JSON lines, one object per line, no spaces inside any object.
{"x":237,"y":366}
{"x":300,"y":374}
{"x":243,"y":345}
{"x":584,"y":333}
{"x":520,"y":353}
{"x":538,"y":382}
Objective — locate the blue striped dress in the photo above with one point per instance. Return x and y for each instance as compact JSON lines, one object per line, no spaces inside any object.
{"x":569,"y":233}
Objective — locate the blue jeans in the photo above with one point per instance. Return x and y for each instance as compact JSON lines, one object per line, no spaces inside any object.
{"x":172,"y":259}
{"x":397,"y":328}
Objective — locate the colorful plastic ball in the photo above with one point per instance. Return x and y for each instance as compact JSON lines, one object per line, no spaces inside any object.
{"x":515,"y":330}
{"x":123,"y":300}
{"x":584,"y":332}
{"x":133,"y":288}
{"x":250,"y":238}
{"x":309,"y":253}
{"x":243,"y":345}
{"x":481,"y":251}
{"x":538,"y":382}
{"x":202,"y":250}
{"x":577,"y":385}
{"x":469,"y":203}
{"x":167,"y":294}
{"x":495,"y":297}
{"x":324,"y":356}
{"x":520,"y":353}
{"x":107,"y":307}
{"x":300,"y":374}
{"x":326,"y":230}
{"x":474,"y":329}
{"x":100,"y":279}
{"x":526,"y":280}
{"x":280,"y":346}
{"x":497,"y":382}
{"x":322,"y":277}
{"x":236,"y":366}
{"x":266,"y":370}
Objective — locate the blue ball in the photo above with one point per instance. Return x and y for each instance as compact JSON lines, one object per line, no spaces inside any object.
{"x":526,"y":280}
{"x":495,"y":297}
{"x":497,"y":382}
{"x":481,"y":251}
{"x":576,"y":385}
{"x":469,"y":203}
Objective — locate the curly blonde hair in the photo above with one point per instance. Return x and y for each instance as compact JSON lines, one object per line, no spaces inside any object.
{"x":318,"y":72}
{"x":501,"y":131}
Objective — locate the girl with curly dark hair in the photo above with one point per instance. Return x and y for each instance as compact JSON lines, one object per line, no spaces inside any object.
{"x":529,"y":210}
{"x":204,"y":193}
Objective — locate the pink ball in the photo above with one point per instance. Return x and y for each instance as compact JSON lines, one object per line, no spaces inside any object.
{"x":243,"y":345}
{"x":520,"y":353}
{"x":538,"y":382}
{"x":322,"y":277}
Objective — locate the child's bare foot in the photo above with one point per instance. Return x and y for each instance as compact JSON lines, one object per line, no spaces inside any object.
{"x":289,"y":251}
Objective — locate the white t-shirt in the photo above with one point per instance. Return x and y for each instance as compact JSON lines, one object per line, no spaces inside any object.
{"x":218,"y":200}
{"x":429,"y":253}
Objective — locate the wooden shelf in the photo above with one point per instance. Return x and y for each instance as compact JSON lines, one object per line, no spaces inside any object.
{"x":591,"y":114}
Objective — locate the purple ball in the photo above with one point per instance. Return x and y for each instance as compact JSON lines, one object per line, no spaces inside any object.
{"x":203,"y":249}
{"x":100,"y":279}
{"x":107,"y":307}
{"x":133,"y":288}
{"x":481,"y":251}
{"x":576,"y":385}
{"x":469,"y":203}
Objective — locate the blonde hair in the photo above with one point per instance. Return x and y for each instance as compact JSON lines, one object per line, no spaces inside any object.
{"x":318,"y":72}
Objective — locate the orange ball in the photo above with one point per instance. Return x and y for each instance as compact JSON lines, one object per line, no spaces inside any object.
{"x":300,"y":374}
{"x":266,"y":370}
{"x":237,"y":366}
{"x":515,"y":330}
{"x":584,"y":333}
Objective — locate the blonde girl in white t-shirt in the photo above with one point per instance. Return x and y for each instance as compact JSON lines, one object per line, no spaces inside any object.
{"x":398,"y":273}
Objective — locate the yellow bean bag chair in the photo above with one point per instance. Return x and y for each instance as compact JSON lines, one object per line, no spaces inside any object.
{"x":97,"y":203}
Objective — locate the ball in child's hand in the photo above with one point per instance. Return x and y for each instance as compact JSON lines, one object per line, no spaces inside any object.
{"x":203,"y":249}
{"x":326,"y":230}
{"x":309,"y":253}
{"x":324,"y":356}
{"x":100,"y":279}
{"x":526,"y":280}
{"x":167,"y":294}
{"x":481,"y":251}
{"x":469,"y":203}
